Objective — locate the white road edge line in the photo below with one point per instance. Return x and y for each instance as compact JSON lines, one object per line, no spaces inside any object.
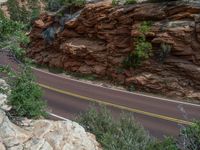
{"x":132,"y":93}
{"x":57,"y":116}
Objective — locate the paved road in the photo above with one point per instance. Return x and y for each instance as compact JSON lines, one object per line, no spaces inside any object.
{"x":67,"y":98}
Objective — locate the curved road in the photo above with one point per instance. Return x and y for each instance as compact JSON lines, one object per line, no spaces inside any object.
{"x":67,"y":98}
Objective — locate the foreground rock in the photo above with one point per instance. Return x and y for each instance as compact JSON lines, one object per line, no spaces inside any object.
{"x":98,"y":41}
{"x":43,"y":134}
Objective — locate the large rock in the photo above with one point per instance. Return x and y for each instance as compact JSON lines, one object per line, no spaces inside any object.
{"x":42,"y":134}
{"x":102,"y":36}
{"x":45,"y":135}
{"x":11,"y":134}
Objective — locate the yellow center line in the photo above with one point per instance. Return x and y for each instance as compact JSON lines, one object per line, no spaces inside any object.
{"x":163,"y":117}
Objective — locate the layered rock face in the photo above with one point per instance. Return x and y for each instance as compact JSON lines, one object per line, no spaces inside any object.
{"x":98,"y":41}
{"x":42,"y":134}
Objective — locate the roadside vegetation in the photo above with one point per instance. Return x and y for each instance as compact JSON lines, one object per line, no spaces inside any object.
{"x":126,"y":134}
{"x":24,"y":14}
{"x":25,"y":96}
{"x":12,"y":36}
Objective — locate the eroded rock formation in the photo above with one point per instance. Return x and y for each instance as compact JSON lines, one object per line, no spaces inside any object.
{"x":102,"y":36}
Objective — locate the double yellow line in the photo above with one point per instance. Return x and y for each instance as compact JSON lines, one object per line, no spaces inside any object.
{"x":116,"y":106}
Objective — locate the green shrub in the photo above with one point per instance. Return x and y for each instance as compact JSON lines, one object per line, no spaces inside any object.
{"x":13,"y":36}
{"x":124,"y":134}
{"x":115,"y":2}
{"x":142,"y":50}
{"x":190,"y":136}
{"x":145,"y":26}
{"x":25,"y":96}
{"x":167,"y":144}
{"x":23,"y":14}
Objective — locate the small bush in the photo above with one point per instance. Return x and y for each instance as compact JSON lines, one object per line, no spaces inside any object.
{"x":124,"y":134}
{"x":145,"y":26}
{"x":190,"y":136}
{"x":25,"y":96}
{"x":142,"y":49}
{"x":167,"y":144}
{"x":13,"y":36}
{"x":115,"y":2}
{"x":23,"y":14}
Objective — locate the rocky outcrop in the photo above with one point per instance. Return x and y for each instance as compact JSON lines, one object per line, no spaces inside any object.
{"x":42,"y":134}
{"x":45,"y":135}
{"x":98,"y":41}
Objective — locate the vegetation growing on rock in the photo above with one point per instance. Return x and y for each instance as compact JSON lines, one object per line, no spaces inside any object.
{"x":24,"y":13}
{"x":126,"y":134}
{"x":26,"y":96}
{"x":12,"y":36}
{"x":142,"y":50}
{"x":115,"y":135}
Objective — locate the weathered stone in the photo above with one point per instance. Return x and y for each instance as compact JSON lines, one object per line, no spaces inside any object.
{"x":11,"y":134}
{"x":102,"y":36}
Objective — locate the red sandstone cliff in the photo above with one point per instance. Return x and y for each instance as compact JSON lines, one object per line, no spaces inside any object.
{"x":102,"y":36}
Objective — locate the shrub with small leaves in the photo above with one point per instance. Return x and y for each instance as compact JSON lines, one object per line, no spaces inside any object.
{"x":190,"y":136}
{"x":142,"y":50}
{"x":167,"y":144}
{"x":25,"y":97}
{"x":145,"y":26}
{"x":23,"y":13}
{"x":124,"y":134}
{"x":13,"y":36}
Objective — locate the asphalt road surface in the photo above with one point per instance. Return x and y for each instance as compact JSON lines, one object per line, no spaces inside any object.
{"x":67,"y":97}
